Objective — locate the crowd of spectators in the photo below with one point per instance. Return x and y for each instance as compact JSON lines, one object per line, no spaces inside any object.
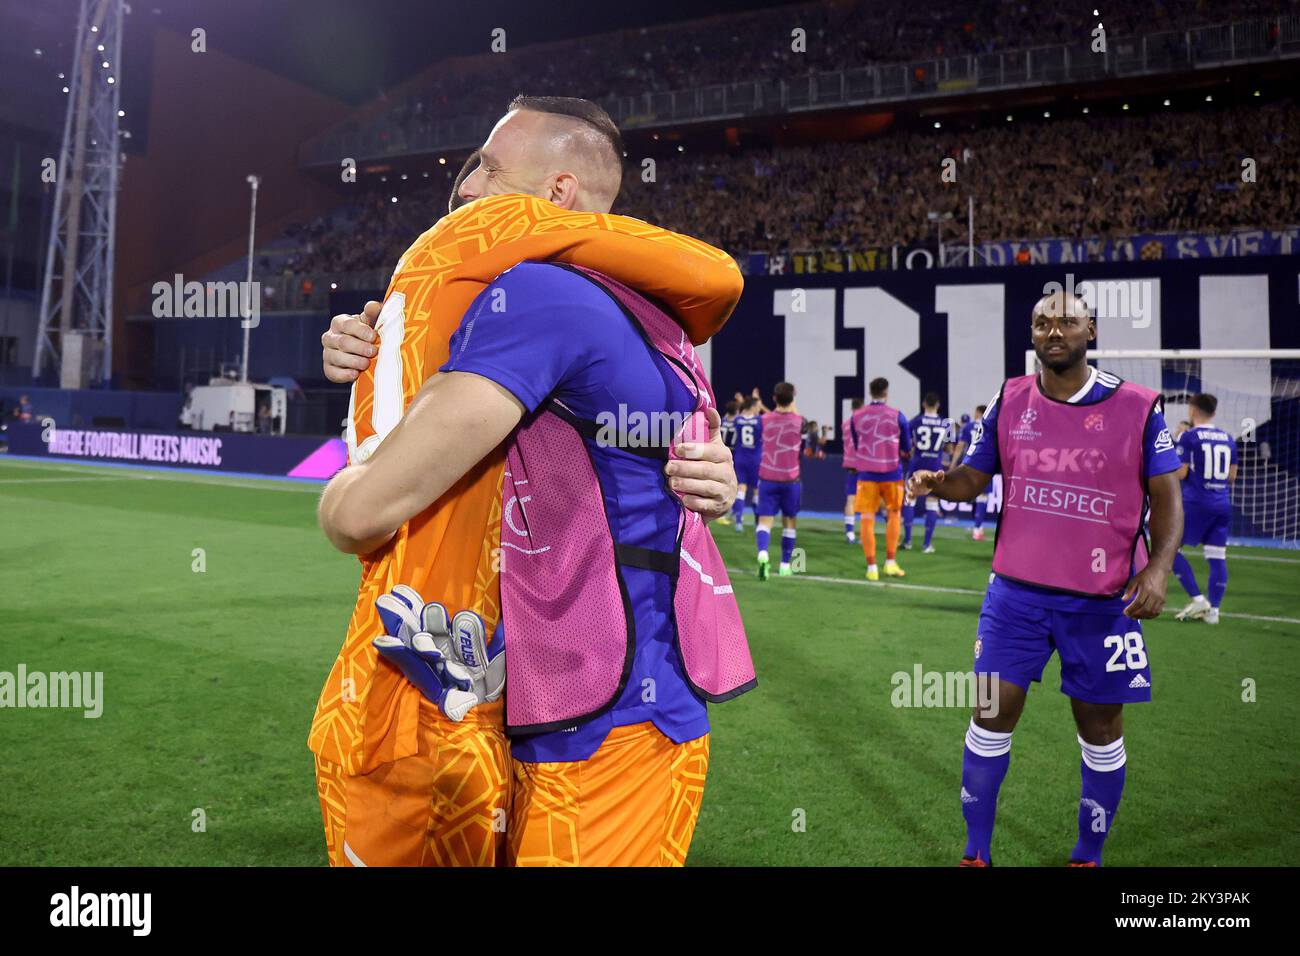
{"x":1086,"y":177}
{"x":370,"y":233}
{"x":1066,"y":178}
{"x":758,"y":46}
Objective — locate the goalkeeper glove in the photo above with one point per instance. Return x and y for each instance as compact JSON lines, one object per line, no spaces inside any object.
{"x":418,"y":642}
{"x":484,"y":659}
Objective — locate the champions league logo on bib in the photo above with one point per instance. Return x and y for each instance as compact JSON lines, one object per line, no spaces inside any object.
{"x":1025,"y":430}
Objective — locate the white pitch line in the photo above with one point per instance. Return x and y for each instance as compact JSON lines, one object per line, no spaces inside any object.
{"x":49,"y":481}
{"x":942,"y":590}
{"x":872,"y":584}
{"x":215,"y":478}
{"x":1238,"y":556}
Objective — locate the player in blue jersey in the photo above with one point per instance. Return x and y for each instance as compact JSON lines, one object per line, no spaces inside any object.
{"x":1209,"y":467}
{"x":1070,"y":457}
{"x":931,"y":435}
{"x":728,"y":418}
{"x":963,"y":444}
{"x":747,"y":451}
{"x":849,"y":442}
{"x":728,"y":434}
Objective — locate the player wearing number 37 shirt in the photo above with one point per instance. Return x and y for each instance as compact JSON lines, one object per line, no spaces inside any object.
{"x":1085,"y":459}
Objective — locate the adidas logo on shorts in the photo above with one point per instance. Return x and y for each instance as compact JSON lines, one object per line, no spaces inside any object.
{"x":1139,"y":681}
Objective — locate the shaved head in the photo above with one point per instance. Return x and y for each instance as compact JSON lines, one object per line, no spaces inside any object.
{"x":562,"y":149}
{"x":1054,"y":305}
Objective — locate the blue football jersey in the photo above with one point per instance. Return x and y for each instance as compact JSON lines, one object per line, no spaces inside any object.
{"x":749,"y":435}
{"x":728,"y":432}
{"x":929,"y":434}
{"x":1209,"y":454}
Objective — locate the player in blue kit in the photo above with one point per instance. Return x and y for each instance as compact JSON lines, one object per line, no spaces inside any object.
{"x":747,"y":451}
{"x":1209,"y":467}
{"x":931,"y":434}
{"x":963,"y":443}
{"x":728,"y":433}
{"x":1085,"y":457}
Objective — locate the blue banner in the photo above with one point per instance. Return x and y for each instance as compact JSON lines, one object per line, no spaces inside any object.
{"x":293,"y":456}
{"x":1140,"y":248}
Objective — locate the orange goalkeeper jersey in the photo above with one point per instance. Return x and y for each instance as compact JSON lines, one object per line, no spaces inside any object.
{"x":367,"y":714}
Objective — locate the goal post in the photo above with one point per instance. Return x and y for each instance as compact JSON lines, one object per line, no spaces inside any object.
{"x":1258,"y":393}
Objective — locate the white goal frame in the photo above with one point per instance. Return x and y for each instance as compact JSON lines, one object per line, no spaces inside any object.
{"x":1190,"y":354}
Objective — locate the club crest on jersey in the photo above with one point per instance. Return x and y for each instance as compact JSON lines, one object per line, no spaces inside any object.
{"x":1095,"y":422}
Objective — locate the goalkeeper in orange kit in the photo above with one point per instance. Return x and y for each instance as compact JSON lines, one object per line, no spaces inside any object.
{"x":401,"y":781}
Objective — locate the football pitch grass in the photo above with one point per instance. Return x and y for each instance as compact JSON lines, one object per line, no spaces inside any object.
{"x":211,"y":677}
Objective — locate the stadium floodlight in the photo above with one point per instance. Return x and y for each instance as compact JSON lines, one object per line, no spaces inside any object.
{"x":247,"y":298}
{"x":75,"y":329}
{"x":1258,"y":392}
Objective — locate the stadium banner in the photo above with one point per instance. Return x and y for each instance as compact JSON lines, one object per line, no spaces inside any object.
{"x":961,"y":332}
{"x":287,"y":456}
{"x":1142,"y":247}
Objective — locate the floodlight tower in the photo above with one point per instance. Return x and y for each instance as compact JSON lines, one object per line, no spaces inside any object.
{"x":76,"y":323}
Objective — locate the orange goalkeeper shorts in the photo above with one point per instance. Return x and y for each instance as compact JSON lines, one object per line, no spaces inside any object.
{"x":634,"y":802}
{"x":871,"y":494}
{"x":446,"y":805}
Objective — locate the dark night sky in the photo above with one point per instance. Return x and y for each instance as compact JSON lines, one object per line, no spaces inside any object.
{"x":354,"y":49}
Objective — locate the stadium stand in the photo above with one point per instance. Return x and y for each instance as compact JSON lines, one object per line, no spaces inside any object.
{"x":1088,"y":176}
{"x":839,"y":35}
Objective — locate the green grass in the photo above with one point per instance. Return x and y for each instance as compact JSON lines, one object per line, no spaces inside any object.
{"x":211,"y":678}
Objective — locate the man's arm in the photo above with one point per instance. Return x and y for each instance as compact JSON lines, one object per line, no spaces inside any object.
{"x":1146,"y":592}
{"x":350,"y":344}
{"x":962,"y":483}
{"x":904,"y":438}
{"x":456,"y":419}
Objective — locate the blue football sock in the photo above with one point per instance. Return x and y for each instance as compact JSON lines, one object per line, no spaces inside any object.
{"x":1102,"y":769}
{"x":787,"y":544}
{"x":931,"y":520}
{"x":909,"y":514}
{"x":738,"y":509}
{"x":981,"y":509}
{"x":1186,"y":576}
{"x":983,"y":766}
{"x":761,"y":538}
{"x":849,"y":524}
{"x":1218,"y":582}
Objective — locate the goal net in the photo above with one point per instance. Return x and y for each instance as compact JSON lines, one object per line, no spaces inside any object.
{"x":1258,"y":392}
